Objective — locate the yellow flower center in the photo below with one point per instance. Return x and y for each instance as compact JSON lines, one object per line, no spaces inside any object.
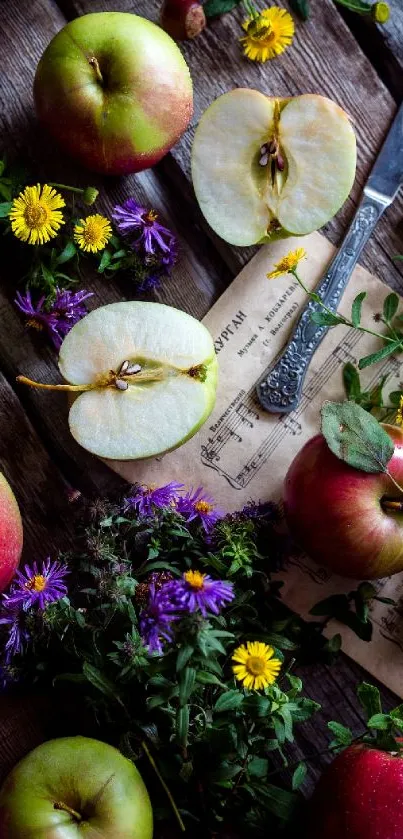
{"x":33,"y":324}
{"x":36,"y":583}
{"x":194,"y":578}
{"x":150,"y":217}
{"x":255,"y":665}
{"x":259,"y":30}
{"x":35,"y":215}
{"x":92,"y":232}
{"x":203,"y":507}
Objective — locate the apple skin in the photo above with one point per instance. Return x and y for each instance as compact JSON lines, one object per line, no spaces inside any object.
{"x":131,"y":119}
{"x":11,"y":534}
{"x":90,"y":777}
{"x":359,"y":796}
{"x":334,"y":513}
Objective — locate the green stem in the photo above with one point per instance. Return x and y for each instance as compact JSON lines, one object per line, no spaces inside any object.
{"x":345,"y":321}
{"x":250,"y":9}
{"x":163,"y":784}
{"x":69,"y":188}
{"x":358,"y":7}
{"x":59,"y":805}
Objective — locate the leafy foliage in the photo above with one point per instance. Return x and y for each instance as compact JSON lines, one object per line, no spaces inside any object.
{"x":356,"y":437}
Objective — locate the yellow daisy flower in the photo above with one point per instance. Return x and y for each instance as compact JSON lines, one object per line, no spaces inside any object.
{"x":256,"y":668}
{"x":287,"y":264}
{"x":35,"y":214}
{"x":399,"y":415}
{"x":268,"y":34}
{"x":93,"y":233}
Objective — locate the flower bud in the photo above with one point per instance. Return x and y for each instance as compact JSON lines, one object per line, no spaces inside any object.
{"x":380,"y":12}
{"x":90,"y":195}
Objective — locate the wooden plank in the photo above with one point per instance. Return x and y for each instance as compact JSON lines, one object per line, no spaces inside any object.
{"x":383,"y":45}
{"x":196,"y":282}
{"x":325,"y":58}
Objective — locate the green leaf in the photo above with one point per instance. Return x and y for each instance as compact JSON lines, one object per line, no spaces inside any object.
{"x":326,"y":319}
{"x":47,"y":275}
{"x":184,"y":654}
{"x":278,"y":801}
{"x":299,"y":776}
{"x":333,"y":645}
{"x":351,"y":381}
{"x":381,"y":722}
{"x":229,"y":701}
{"x":397,"y":717}
{"x":100,"y":682}
{"x":219,"y":7}
{"x":226,"y":772}
{"x":5,"y":208}
{"x":104,"y":261}
{"x":390,"y":306}
{"x":395,"y":397}
{"x":279,"y":641}
{"x":5,"y":192}
{"x":378,"y":356}
{"x":186,"y":684}
{"x":333,"y":605}
{"x":306,"y":709}
{"x":258,"y":767}
{"x":356,"y":308}
{"x":256,"y":705}
{"x":182,"y":725}
{"x":356,"y":437}
{"x":370,"y":699}
{"x":205,"y":678}
{"x":67,"y":253}
{"x":301,"y":7}
{"x":342,"y":734}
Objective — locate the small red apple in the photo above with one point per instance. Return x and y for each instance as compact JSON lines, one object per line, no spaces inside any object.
{"x":182,"y":19}
{"x":11,"y":535}
{"x":114,"y":91}
{"x":341,"y":516}
{"x":359,"y":796}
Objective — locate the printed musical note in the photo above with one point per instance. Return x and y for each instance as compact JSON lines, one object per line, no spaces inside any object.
{"x":292,"y":425}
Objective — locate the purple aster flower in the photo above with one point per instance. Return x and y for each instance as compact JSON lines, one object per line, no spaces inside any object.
{"x":196,"y":591}
{"x":37,"y":586}
{"x":145,"y":499}
{"x":198,"y":505}
{"x":147,"y":233}
{"x":156,"y":619}
{"x":266,"y":510}
{"x":57,"y":318}
{"x":12,"y":617}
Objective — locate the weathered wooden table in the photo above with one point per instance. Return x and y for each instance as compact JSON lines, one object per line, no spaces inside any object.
{"x":337,"y":54}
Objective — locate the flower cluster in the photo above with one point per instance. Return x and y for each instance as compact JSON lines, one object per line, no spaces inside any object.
{"x":38,"y":215}
{"x":193,"y":592}
{"x":193,"y":506}
{"x":34,"y":588}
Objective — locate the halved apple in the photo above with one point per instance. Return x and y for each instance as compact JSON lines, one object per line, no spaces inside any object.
{"x":265,"y":167}
{"x":144,"y":378}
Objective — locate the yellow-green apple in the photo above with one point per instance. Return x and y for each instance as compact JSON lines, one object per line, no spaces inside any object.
{"x":264,"y":167}
{"x":75,"y":787}
{"x":11,"y":535}
{"x":345,"y":519}
{"x":359,"y":796}
{"x":115,"y":91}
{"x":145,"y":377}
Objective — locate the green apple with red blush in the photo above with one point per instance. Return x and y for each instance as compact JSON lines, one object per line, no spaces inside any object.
{"x":114,"y":91}
{"x":75,"y":787}
{"x":11,"y":533}
{"x":348,"y":520}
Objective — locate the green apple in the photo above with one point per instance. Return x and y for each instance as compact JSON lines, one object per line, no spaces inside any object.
{"x":265,"y":167}
{"x":144,"y":376}
{"x":115,"y":92}
{"x":75,"y":787}
{"x":11,"y":535}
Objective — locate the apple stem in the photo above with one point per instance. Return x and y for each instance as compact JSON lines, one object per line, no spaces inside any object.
{"x":395,"y":505}
{"x":95,"y":64}
{"x":25,"y":381}
{"x":60,"y":805}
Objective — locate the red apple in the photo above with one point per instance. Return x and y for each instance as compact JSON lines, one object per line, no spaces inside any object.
{"x":10,"y":533}
{"x":115,"y":92}
{"x":75,"y":787}
{"x":359,"y":796}
{"x":339,"y":515}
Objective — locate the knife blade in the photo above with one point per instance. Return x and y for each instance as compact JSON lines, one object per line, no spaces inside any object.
{"x":280,"y":389}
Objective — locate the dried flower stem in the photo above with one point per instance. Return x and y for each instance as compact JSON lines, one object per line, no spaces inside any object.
{"x":163,"y":784}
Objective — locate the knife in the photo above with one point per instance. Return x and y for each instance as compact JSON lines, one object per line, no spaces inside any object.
{"x":279,"y":391}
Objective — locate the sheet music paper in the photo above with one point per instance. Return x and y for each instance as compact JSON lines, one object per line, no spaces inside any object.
{"x":242,"y":453}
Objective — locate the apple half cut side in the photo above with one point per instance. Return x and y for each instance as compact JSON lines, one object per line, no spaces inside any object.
{"x":264,"y":167}
{"x":148,"y":373}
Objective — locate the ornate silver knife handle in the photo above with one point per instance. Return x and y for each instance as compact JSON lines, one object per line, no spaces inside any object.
{"x":279,"y":391}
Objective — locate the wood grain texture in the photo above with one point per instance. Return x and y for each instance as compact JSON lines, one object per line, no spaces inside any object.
{"x":325,"y":59}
